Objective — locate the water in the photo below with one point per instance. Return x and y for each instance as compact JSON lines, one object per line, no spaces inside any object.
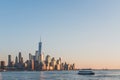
{"x":60,"y":75}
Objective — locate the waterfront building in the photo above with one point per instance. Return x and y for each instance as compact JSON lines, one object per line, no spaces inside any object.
{"x":48,"y":59}
{"x":27,"y":65}
{"x":30,"y":56}
{"x":32,"y":64}
{"x":16,"y":60}
{"x":42,"y":66}
{"x":20,"y":65}
{"x":2,"y":64}
{"x":9,"y":61}
{"x":62,"y":66}
{"x":58,"y":62}
{"x":21,"y":60}
{"x":20,"y":56}
{"x":36,"y":56}
{"x":57,"y":67}
{"x":53,"y":62}
{"x":41,"y":57}
{"x":73,"y":67}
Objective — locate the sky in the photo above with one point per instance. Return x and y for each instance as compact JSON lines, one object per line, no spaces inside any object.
{"x":84,"y":32}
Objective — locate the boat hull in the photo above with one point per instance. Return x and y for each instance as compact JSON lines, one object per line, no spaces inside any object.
{"x":86,"y":73}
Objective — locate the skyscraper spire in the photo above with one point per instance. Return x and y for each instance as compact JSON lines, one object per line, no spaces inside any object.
{"x":40,"y":38}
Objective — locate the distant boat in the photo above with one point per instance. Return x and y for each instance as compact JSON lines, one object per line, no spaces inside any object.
{"x":86,"y":72}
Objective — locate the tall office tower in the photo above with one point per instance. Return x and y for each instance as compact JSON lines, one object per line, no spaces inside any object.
{"x":40,"y":55}
{"x":30,"y":56}
{"x":36,"y":56}
{"x":9,"y":60}
{"x":40,"y":48}
{"x":20,"y":56}
{"x":16,"y":60}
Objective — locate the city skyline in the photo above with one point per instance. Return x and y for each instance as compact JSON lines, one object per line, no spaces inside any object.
{"x":36,"y":62}
{"x":82,"y":31}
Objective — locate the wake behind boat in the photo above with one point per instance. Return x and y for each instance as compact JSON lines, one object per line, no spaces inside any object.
{"x":86,"y":72}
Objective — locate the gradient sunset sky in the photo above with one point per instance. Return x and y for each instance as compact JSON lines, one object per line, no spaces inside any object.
{"x":84,"y":32}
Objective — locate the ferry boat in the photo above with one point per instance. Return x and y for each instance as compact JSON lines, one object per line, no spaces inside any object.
{"x":86,"y":72}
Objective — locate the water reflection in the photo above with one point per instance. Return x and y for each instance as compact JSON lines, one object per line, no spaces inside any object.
{"x":42,"y":76}
{"x":0,"y":76}
{"x":58,"y":75}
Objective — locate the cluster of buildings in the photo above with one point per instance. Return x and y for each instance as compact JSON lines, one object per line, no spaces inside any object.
{"x":36,"y":62}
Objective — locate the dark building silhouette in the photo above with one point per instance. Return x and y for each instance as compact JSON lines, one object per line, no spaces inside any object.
{"x":2,"y":64}
{"x":40,"y":48}
{"x":9,"y":61}
{"x":20,"y":56}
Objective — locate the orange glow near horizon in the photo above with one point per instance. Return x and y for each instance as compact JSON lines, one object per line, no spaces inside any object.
{"x":98,"y":65}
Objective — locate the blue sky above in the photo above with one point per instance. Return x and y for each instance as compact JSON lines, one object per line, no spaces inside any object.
{"x":79,"y":31}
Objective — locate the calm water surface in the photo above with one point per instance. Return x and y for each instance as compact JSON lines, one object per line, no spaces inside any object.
{"x":60,"y":75}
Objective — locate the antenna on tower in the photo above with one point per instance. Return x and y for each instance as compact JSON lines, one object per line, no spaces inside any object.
{"x":40,"y":38}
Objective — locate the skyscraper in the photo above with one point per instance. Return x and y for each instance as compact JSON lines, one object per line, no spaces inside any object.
{"x":9,"y":60}
{"x":40,"y":48}
{"x":30,"y":56}
{"x":20,"y":56}
{"x":40,"y":56}
{"x":36,"y":56}
{"x":16,"y":60}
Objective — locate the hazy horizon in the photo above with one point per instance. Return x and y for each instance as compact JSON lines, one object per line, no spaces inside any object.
{"x":84,"y":32}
